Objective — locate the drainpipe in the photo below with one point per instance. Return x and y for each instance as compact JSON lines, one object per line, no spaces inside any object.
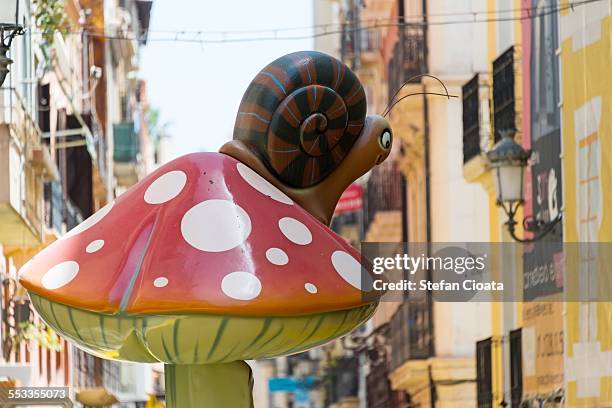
{"x":426,"y":142}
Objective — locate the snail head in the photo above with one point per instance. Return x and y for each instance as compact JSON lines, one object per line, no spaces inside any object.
{"x":371,"y":148}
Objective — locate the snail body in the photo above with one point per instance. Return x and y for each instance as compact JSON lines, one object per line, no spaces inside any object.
{"x":302,"y":125}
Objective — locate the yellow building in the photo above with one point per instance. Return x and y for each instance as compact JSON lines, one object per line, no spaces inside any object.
{"x":585,"y":59}
{"x":561,"y":96}
{"x":542,"y":69}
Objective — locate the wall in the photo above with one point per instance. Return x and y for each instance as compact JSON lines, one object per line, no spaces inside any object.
{"x":586,"y":58}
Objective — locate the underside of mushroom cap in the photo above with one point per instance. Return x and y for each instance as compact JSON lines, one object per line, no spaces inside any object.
{"x":196,"y":338}
{"x":202,"y":234}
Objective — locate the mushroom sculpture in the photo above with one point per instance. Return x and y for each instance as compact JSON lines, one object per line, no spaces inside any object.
{"x":217,"y":258}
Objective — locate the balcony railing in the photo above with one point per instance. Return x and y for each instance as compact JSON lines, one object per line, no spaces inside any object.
{"x":371,"y":41}
{"x":408,"y":58}
{"x":73,"y":215}
{"x":342,"y":380}
{"x":59,"y":209}
{"x":126,"y":142}
{"x":24,"y":188}
{"x":380,"y":394}
{"x":383,"y":191}
{"x":54,"y":206}
{"x":516,"y":368}
{"x":411,"y":333}
{"x":484,"y":370}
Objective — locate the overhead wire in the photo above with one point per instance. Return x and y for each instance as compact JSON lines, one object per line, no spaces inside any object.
{"x":349,"y":26}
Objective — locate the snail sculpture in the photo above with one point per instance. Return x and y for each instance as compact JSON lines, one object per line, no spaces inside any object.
{"x":302,"y":125}
{"x":217,"y":258}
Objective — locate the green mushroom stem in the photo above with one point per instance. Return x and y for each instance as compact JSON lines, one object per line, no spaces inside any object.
{"x":210,"y":385}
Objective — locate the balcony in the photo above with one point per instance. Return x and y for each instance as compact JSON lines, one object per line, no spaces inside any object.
{"x":73,"y":215}
{"x":383,"y":203}
{"x":126,"y":153}
{"x":408,"y":58}
{"x":23,"y":166}
{"x":61,"y":214}
{"x":516,"y":368}
{"x":484,"y":372}
{"x":54,"y":208}
{"x":411,"y":334}
{"x":378,"y":386}
{"x":342,"y":381}
{"x":370,"y":46}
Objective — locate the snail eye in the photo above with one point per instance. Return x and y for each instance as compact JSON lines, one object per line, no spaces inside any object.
{"x":385,"y":140}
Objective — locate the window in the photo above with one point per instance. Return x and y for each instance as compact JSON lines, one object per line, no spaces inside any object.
{"x":471,"y":119}
{"x":503,"y":93}
{"x":483,"y":374}
{"x":516,"y":368}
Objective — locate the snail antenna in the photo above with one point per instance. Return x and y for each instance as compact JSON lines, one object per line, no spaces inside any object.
{"x":394,"y":102}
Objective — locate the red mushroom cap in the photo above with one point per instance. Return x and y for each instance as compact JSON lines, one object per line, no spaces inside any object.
{"x":202,"y":234}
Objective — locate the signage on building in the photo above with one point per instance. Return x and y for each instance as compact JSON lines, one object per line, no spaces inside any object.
{"x":351,"y":200}
{"x":290,"y":384}
{"x":543,"y":329}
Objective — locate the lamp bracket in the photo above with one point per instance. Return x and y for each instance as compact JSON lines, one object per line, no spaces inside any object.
{"x":538,"y":227}
{"x":6,"y":40}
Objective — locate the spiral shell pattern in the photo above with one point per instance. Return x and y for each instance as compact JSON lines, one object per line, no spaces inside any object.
{"x":301,"y":115}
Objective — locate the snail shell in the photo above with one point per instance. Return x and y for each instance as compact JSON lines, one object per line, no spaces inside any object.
{"x":301,"y":115}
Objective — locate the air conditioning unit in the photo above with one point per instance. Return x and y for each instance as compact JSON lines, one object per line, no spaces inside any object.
{"x":21,"y":374}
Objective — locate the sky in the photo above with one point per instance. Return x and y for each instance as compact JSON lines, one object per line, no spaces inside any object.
{"x":197,"y":87}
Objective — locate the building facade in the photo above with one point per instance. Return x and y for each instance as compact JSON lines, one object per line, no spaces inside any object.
{"x":536,"y":68}
{"x":74,"y":133}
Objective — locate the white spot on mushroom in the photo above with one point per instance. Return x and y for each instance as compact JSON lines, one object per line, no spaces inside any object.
{"x":165,"y":187}
{"x":295,"y":231}
{"x":160,"y":282}
{"x":60,"y":275}
{"x":311,"y":288}
{"x":262,"y":185}
{"x":241,"y":285}
{"x":94,"y":246}
{"x":277,"y":256}
{"x":215,"y":225}
{"x":348,"y":268}
{"x":91,"y":221}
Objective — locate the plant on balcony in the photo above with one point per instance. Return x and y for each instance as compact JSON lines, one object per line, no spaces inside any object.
{"x":41,"y":333}
{"x":27,"y":331}
{"x":49,"y":17}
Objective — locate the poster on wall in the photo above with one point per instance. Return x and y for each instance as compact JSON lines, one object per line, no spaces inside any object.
{"x":542,"y":334}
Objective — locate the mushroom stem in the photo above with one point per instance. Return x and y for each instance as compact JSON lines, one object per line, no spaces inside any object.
{"x":210,"y":385}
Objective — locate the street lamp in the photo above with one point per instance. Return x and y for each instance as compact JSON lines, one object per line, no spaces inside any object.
{"x":9,"y":28}
{"x":508,"y":159}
